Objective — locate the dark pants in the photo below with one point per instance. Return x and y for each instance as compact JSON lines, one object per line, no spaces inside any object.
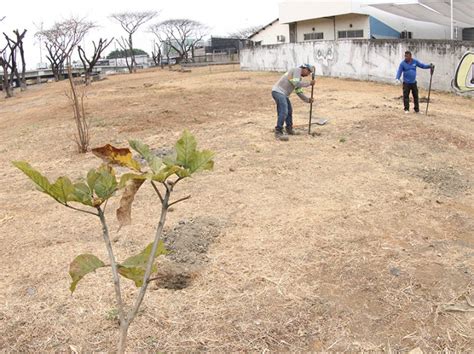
{"x":284,"y":109}
{"x":406,"y":96}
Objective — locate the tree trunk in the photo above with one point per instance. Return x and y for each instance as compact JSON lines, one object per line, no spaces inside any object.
{"x":6,"y":82}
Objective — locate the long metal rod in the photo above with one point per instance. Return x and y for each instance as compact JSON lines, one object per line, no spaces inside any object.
{"x":429,"y":92}
{"x":311,"y":104}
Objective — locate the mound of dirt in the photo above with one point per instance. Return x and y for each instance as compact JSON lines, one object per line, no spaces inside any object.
{"x":188,"y":243}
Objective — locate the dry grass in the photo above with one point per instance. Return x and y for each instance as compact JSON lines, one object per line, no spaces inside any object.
{"x":358,"y":239}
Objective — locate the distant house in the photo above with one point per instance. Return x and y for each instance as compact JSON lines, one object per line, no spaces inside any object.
{"x":302,"y":21}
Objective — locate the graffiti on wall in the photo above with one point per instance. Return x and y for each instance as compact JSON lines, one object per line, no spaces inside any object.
{"x":324,"y":56}
{"x":464,"y":78}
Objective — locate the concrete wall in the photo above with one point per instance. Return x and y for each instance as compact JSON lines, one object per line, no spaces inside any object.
{"x":376,"y":60}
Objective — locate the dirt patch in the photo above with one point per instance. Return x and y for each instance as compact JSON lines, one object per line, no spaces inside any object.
{"x":188,"y":244}
{"x":447,"y":180}
{"x":327,"y":245}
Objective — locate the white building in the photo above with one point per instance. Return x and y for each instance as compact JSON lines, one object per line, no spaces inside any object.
{"x":302,"y":21}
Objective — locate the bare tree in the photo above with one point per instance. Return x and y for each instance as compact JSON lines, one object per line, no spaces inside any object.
{"x":89,"y":64}
{"x":180,"y":34}
{"x":156,"y":54}
{"x":5,"y":68}
{"x":131,"y":22}
{"x":62,"y":39}
{"x":245,"y":33}
{"x":14,"y":44}
{"x":76,"y":97}
{"x":8,"y":62}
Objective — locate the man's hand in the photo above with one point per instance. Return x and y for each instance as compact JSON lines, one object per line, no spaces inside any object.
{"x":432,"y":67}
{"x":310,"y":100}
{"x":397,"y":82}
{"x":313,"y":82}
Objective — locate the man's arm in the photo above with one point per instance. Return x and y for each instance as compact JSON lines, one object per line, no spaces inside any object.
{"x":302,"y":96}
{"x":399,"y":72}
{"x":423,"y":66}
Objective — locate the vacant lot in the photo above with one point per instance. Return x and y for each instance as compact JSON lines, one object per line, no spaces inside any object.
{"x":360,"y":238}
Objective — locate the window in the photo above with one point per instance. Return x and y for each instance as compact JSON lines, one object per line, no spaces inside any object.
{"x":405,"y":35}
{"x":314,"y":35}
{"x":351,"y":34}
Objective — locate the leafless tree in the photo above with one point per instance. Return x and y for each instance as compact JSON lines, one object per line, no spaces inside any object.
{"x":62,"y":39}
{"x":15,"y":44}
{"x":76,"y":97}
{"x":9,"y":64}
{"x":156,"y":54}
{"x":131,"y":22}
{"x":181,"y":35}
{"x":244,"y":33}
{"x":89,"y":64}
{"x":6,"y":87}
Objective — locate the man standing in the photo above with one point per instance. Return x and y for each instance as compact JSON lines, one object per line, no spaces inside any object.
{"x":408,"y":69}
{"x":291,"y":81}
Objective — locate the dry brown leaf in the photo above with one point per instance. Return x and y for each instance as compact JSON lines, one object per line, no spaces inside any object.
{"x":124,"y":213}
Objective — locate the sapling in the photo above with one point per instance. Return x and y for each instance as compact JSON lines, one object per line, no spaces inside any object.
{"x":91,"y":195}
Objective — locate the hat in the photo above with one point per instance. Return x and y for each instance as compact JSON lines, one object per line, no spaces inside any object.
{"x":307,"y":66}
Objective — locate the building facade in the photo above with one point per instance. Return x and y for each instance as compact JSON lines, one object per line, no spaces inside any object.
{"x":303,"y":21}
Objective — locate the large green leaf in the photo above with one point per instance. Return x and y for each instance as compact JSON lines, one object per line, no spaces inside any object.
{"x":105,"y":185}
{"x":81,"y":266}
{"x":82,"y":194}
{"x":144,"y":150}
{"x":40,"y":180}
{"x":185,"y":148}
{"x":168,"y":171}
{"x":201,"y":161}
{"x":62,"y":190}
{"x":134,"y":267}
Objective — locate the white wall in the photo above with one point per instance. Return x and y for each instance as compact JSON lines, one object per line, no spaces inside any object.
{"x":361,"y":59}
{"x":358,"y":22}
{"x":269,"y":35}
{"x":325,"y":25}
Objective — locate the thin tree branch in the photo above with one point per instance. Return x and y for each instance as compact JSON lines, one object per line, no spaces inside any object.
{"x":157,"y":191}
{"x":180,"y":200}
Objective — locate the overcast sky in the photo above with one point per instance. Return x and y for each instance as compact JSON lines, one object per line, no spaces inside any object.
{"x":221,"y":16}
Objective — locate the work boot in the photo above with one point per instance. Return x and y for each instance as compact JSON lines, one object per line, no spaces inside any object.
{"x":290,"y":131}
{"x":280,"y":135}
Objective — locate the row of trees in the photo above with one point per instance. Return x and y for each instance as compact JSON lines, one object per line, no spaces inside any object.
{"x":175,"y":37}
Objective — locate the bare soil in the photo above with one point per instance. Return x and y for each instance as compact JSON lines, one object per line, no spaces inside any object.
{"x":359,"y":238}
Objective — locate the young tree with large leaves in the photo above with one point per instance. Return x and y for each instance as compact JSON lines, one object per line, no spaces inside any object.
{"x":90,"y":196}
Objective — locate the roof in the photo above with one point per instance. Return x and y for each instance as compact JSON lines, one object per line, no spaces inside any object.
{"x":301,"y":10}
{"x":263,"y":28}
{"x":434,"y":11}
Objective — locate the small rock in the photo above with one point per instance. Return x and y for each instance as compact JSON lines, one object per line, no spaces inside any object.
{"x":231,"y":169}
{"x":31,"y":291}
{"x":395,"y":271}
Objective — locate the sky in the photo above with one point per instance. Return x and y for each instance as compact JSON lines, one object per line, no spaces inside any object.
{"x":222,"y":17}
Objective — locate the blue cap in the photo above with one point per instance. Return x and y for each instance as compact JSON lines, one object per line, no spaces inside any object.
{"x":307,"y":66}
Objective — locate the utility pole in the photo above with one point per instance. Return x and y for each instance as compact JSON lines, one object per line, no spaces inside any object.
{"x":452,"y":20}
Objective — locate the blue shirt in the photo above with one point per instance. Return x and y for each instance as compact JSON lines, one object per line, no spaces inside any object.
{"x":409,"y":70}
